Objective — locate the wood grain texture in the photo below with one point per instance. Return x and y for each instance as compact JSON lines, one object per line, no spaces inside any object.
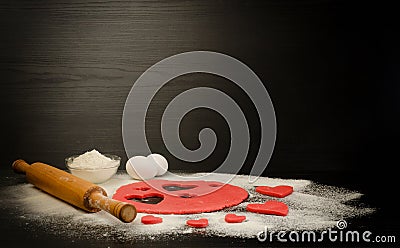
{"x":67,"y":67}
{"x":330,"y":67}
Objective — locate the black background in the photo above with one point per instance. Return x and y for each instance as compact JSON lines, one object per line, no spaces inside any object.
{"x":331,"y":69}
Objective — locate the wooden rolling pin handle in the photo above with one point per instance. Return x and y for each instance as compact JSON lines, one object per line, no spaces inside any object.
{"x":122,"y":210}
{"x":73,"y":190}
{"x":20,"y":166}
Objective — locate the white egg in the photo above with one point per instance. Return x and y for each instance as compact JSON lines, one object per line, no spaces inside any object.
{"x":161,"y":163}
{"x":141,"y":168}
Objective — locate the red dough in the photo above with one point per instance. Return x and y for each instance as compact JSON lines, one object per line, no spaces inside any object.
{"x":191,"y":197}
{"x":277,"y":191}
{"x":197,"y":223}
{"x":150,"y":219}
{"x":269,"y":207}
{"x":233,"y":218}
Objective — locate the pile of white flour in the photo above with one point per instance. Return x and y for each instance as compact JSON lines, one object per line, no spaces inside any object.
{"x":92,"y":160}
{"x":311,"y":207}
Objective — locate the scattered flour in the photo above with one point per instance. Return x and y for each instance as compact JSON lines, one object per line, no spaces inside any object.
{"x":92,"y":160}
{"x":311,"y":207}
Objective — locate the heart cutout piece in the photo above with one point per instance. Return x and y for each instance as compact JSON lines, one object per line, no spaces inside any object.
{"x":233,"y":218}
{"x":197,"y":223}
{"x":177,"y":187}
{"x":148,"y":199}
{"x":277,"y":191}
{"x":269,"y":207}
{"x":150,"y":219}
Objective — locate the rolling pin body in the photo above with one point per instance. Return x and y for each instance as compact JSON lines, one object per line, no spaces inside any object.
{"x":73,"y":190}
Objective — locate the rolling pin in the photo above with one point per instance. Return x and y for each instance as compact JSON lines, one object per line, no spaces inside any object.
{"x":74,"y":190}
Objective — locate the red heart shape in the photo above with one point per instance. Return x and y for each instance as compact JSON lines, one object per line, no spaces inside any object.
{"x":197,"y":223}
{"x":269,"y":207}
{"x":150,"y":219}
{"x":277,"y":191}
{"x":233,"y":218}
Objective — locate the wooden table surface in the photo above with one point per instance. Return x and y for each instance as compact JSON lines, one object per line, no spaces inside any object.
{"x":18,"y":231}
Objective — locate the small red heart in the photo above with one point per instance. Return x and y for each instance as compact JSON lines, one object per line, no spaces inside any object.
{"x":233,"y":218}
{"x":277,"y":191}
{"x":150,"y":219}
{"x":269,"y":207}
{"x":197,"y":223}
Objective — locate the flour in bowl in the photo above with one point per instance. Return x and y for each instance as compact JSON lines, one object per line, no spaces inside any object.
{"x":92,"y":160}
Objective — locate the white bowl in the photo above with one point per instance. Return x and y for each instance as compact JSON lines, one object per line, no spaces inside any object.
{"x":94,"y":175}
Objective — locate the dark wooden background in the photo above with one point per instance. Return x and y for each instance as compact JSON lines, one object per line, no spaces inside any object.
{"x":331,"y":68}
